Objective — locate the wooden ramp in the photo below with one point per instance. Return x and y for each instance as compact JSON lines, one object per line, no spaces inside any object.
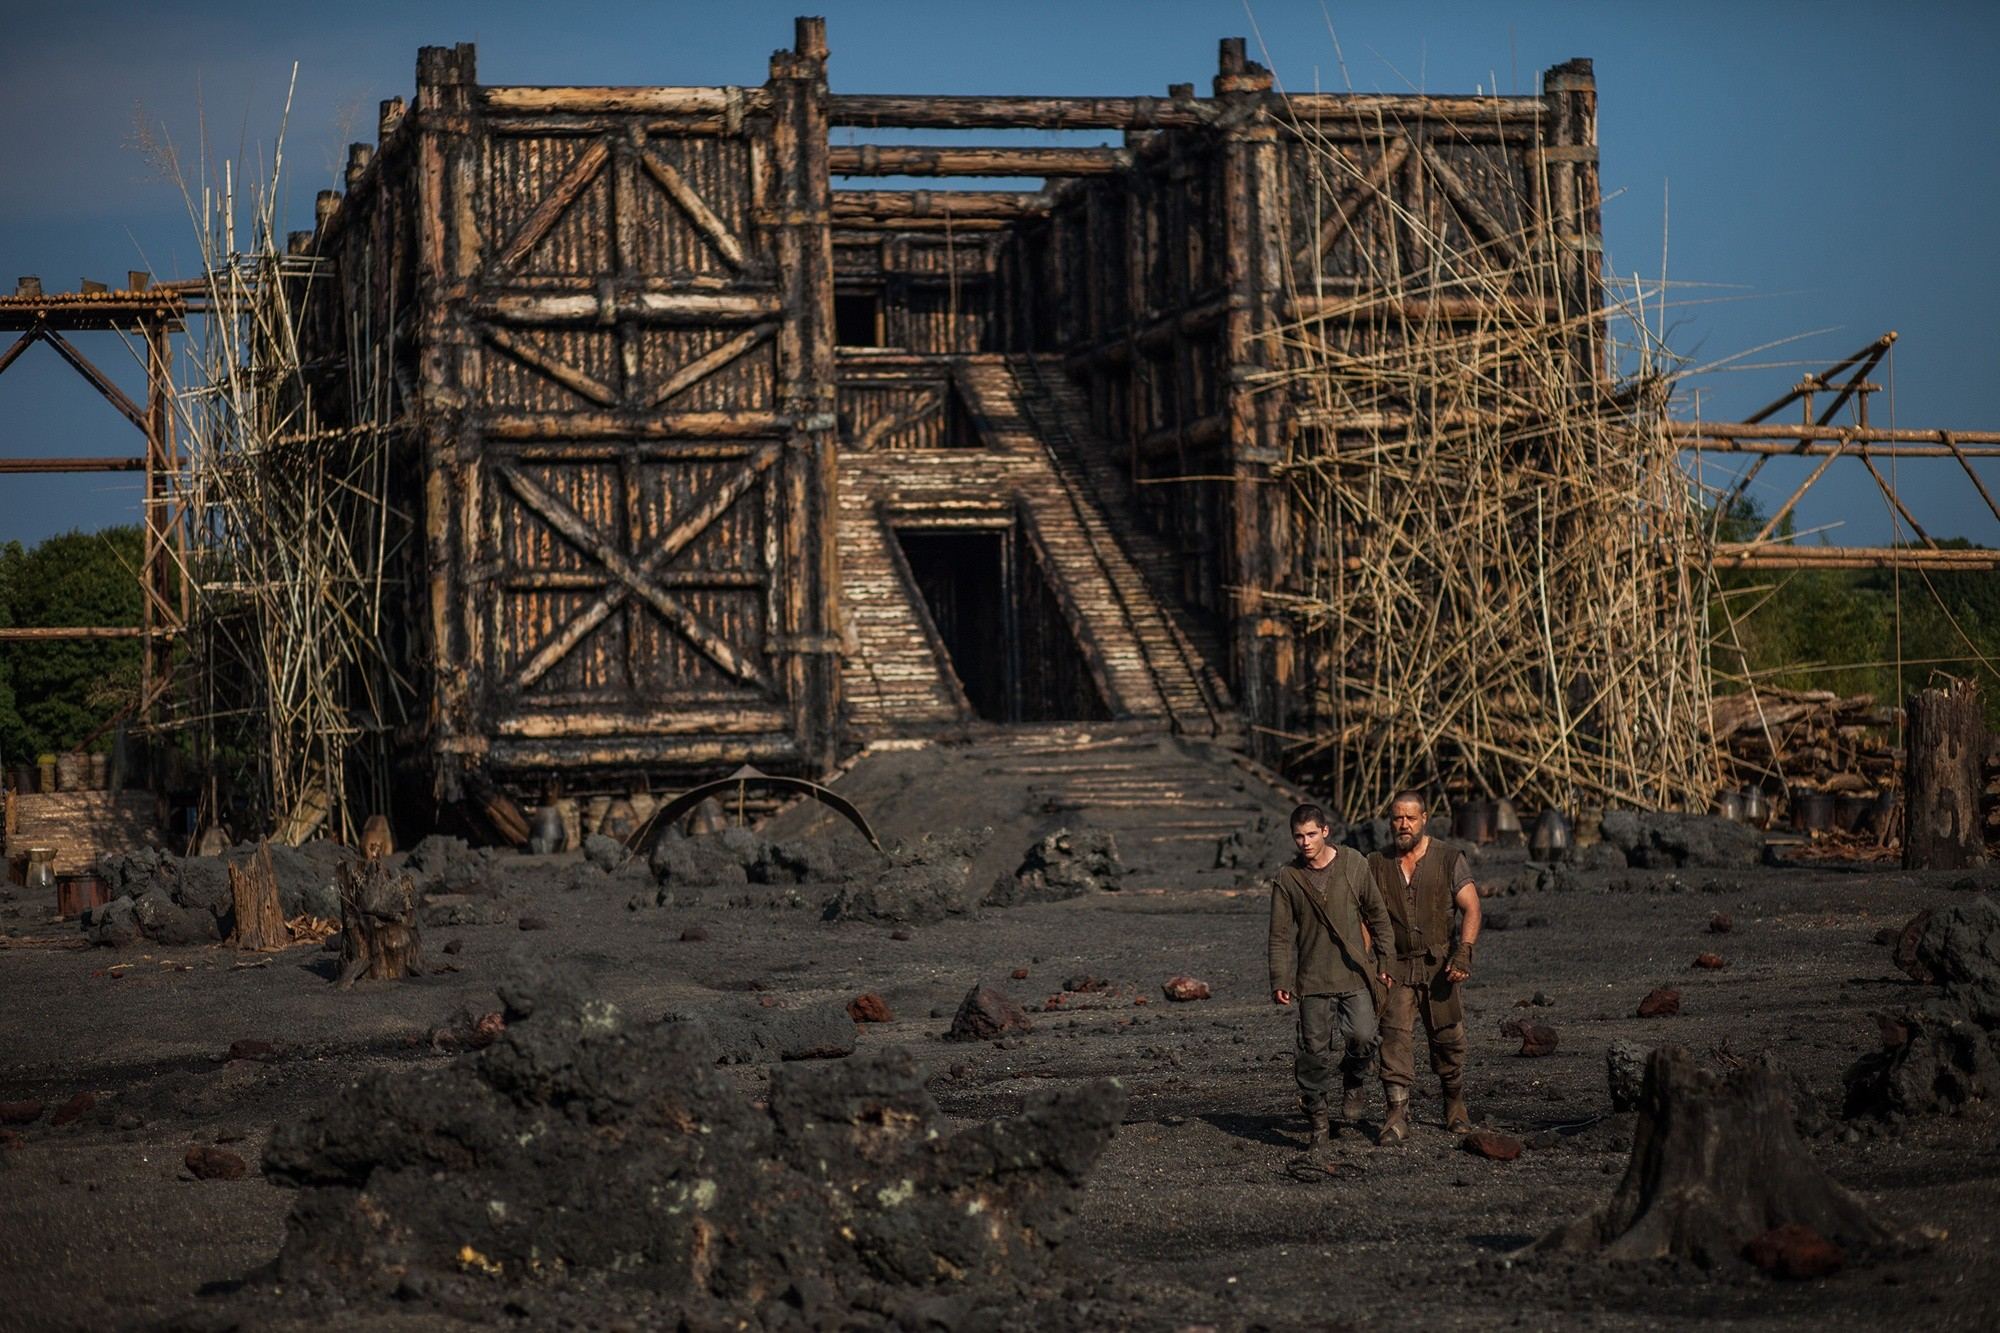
{"x":1028,"y":466}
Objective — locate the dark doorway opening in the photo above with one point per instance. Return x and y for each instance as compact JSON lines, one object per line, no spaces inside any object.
{"x":1001,"y":626}
{"x":857,"y":319}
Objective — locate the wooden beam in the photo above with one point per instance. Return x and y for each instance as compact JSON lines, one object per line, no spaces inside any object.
{"x":905,"y":160}
{"x":562,"y":372}
{"x":1391,"y":108}
{"x":98,"y":379}
{"x":49,"y":633}
{"x":698,"y":212}
{"x":659,"y":101}
{"x":917,"y":111}
{"x":1725,"y":437}
{"x":1351,"y":201}
{"x":699,"y":369}
{"x":554,"y":204}
{"x":609,"y":307}
{"x":631,"y":425}
{"x":850,"y":206}
{"x":72,"y":465}
{"x":1742,"y":555}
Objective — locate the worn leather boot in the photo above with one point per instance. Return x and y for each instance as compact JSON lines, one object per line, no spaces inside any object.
{"x":1318,"y":1124}
{"x":1396,"y":1124}
{"x":1457,"y":1119}
{"x":1353,"y":1102}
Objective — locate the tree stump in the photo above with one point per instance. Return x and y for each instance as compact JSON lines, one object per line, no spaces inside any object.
{"x":1943,"y":784}
{"x":1716,"y":1162}
{"x":378,"y":924}
{"x":253,"y":892}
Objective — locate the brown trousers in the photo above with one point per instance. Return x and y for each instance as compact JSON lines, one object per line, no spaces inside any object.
{"x":1400,"y":1008}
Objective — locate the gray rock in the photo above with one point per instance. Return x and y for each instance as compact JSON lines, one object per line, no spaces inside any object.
{"x":114,"y":924}
{"x":680,"y":860}
{"x":1664,"y":840}
{"x":607,"y":854}
{"x":925,"y":882}
{"x":1065,"y":864}
{"x":1625,"y":1073}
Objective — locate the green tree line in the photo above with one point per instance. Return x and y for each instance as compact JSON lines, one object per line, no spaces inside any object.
{"x":1862,"y":631}
{"x":54,"y":695}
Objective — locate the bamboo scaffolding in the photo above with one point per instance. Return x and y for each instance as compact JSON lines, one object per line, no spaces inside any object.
{"x":1505,"y":578}
{"x":294,"y":695}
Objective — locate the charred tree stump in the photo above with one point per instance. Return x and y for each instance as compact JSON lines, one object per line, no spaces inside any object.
{"x":253,"y":891}
{"x":1943,"y":829}
{"x":1716,"y":1162}
{"x":378,"y":924}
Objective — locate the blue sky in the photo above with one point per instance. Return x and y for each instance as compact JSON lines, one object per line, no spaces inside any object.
{"x":1821,"y":169}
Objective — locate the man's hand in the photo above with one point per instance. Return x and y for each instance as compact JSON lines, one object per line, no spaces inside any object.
{"x":1456,"y":974}
{"x":1281,"y":997}
{"x":1386,"y":980}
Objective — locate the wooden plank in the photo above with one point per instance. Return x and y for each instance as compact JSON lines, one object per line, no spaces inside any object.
{"x":72,"y":465}
{"x":696,"y":208}
{"x":699,"y":369}
{"x":607,"y":307}
{"x":586,"y":100}
{"x":562,"y":372}
{"x":920,"y":111}
{"x":910,"y":160}
{"x":553,"y":205}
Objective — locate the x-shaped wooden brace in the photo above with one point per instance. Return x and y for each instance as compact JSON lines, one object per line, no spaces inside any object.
{"x":639,"y":577}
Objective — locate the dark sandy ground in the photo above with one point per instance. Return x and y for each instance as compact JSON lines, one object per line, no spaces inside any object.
{"x":1197,"y":1214}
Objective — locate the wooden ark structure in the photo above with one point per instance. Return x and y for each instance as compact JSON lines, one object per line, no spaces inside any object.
{"x":706,"y":461}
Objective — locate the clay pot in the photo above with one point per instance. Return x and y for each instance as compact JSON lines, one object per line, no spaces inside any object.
{"x":1756,"y":809}
{"x":1729,"y":805}
{"x":1507,"y":828}
{"x":618,"y":821}
{"x":1551,"y":840}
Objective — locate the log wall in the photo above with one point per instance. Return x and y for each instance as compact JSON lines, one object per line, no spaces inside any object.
{"x":616,"y":310}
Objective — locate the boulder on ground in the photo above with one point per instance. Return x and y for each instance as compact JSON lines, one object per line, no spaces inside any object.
{"x":1665,"y":840}
{"x":925,"y":882}
{"x":457,"y":1184}
{"x":1942,"y":1056}
{"x":986,"y":1014}
{"x":1066,"y":864}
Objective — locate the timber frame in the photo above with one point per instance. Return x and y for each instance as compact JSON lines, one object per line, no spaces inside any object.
{"x":633,"y":441}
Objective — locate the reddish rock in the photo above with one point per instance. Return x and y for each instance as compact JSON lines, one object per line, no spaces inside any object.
{"x":1895,"y":1032}
{"x":869,"y":1008}
{"x":1142,"y":999}
{"x":9,"y":1140}
{"x":1493,"y":1147}
{"x":1661,"y":1002}
{"x":1185,"y":988}
{"x":1709,"y":961}
{"x":1054,"y":1002}
{"x":20,"y":1113}
{"x":453,"y":946}
{"x":73,"y":1109}
{"x":1087,"y":984}
{"x":985,"y":1014}
{"x":488,"y":1029}
{"x":251,"y":1049}
{"x":533,"y":923}
{"x":1796,"y":1251}
{"x":1721,"y":923}
{"x":1020,"y":974}
{"x":205,"y":1163}
{"x":1537,"y":1039}
{"x":901,"y":935}
{"x":693,"y":935}
{"x":1904,"y":951}
{"x":768,"y":1001}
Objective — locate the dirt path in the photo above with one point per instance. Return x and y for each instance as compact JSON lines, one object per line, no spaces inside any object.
{"x":1197,"y":1214}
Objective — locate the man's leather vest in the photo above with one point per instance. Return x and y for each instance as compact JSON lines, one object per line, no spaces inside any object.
{"x":1422,"y":910}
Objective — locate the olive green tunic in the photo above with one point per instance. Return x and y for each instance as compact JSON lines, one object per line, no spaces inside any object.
{"x":1316,"y":920}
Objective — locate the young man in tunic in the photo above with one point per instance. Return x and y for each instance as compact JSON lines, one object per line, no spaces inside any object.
{"x":1422,"y":882}
{"x":1324,"y":962}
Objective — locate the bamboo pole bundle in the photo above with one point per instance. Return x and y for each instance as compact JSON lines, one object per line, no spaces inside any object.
{"x":295,"y":531}
{"x":1502,"y":577}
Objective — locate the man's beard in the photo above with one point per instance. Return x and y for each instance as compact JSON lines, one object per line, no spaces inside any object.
{"x":1405,"y":841}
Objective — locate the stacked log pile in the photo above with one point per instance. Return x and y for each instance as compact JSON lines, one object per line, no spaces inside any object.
{"x":1814,"y":738}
